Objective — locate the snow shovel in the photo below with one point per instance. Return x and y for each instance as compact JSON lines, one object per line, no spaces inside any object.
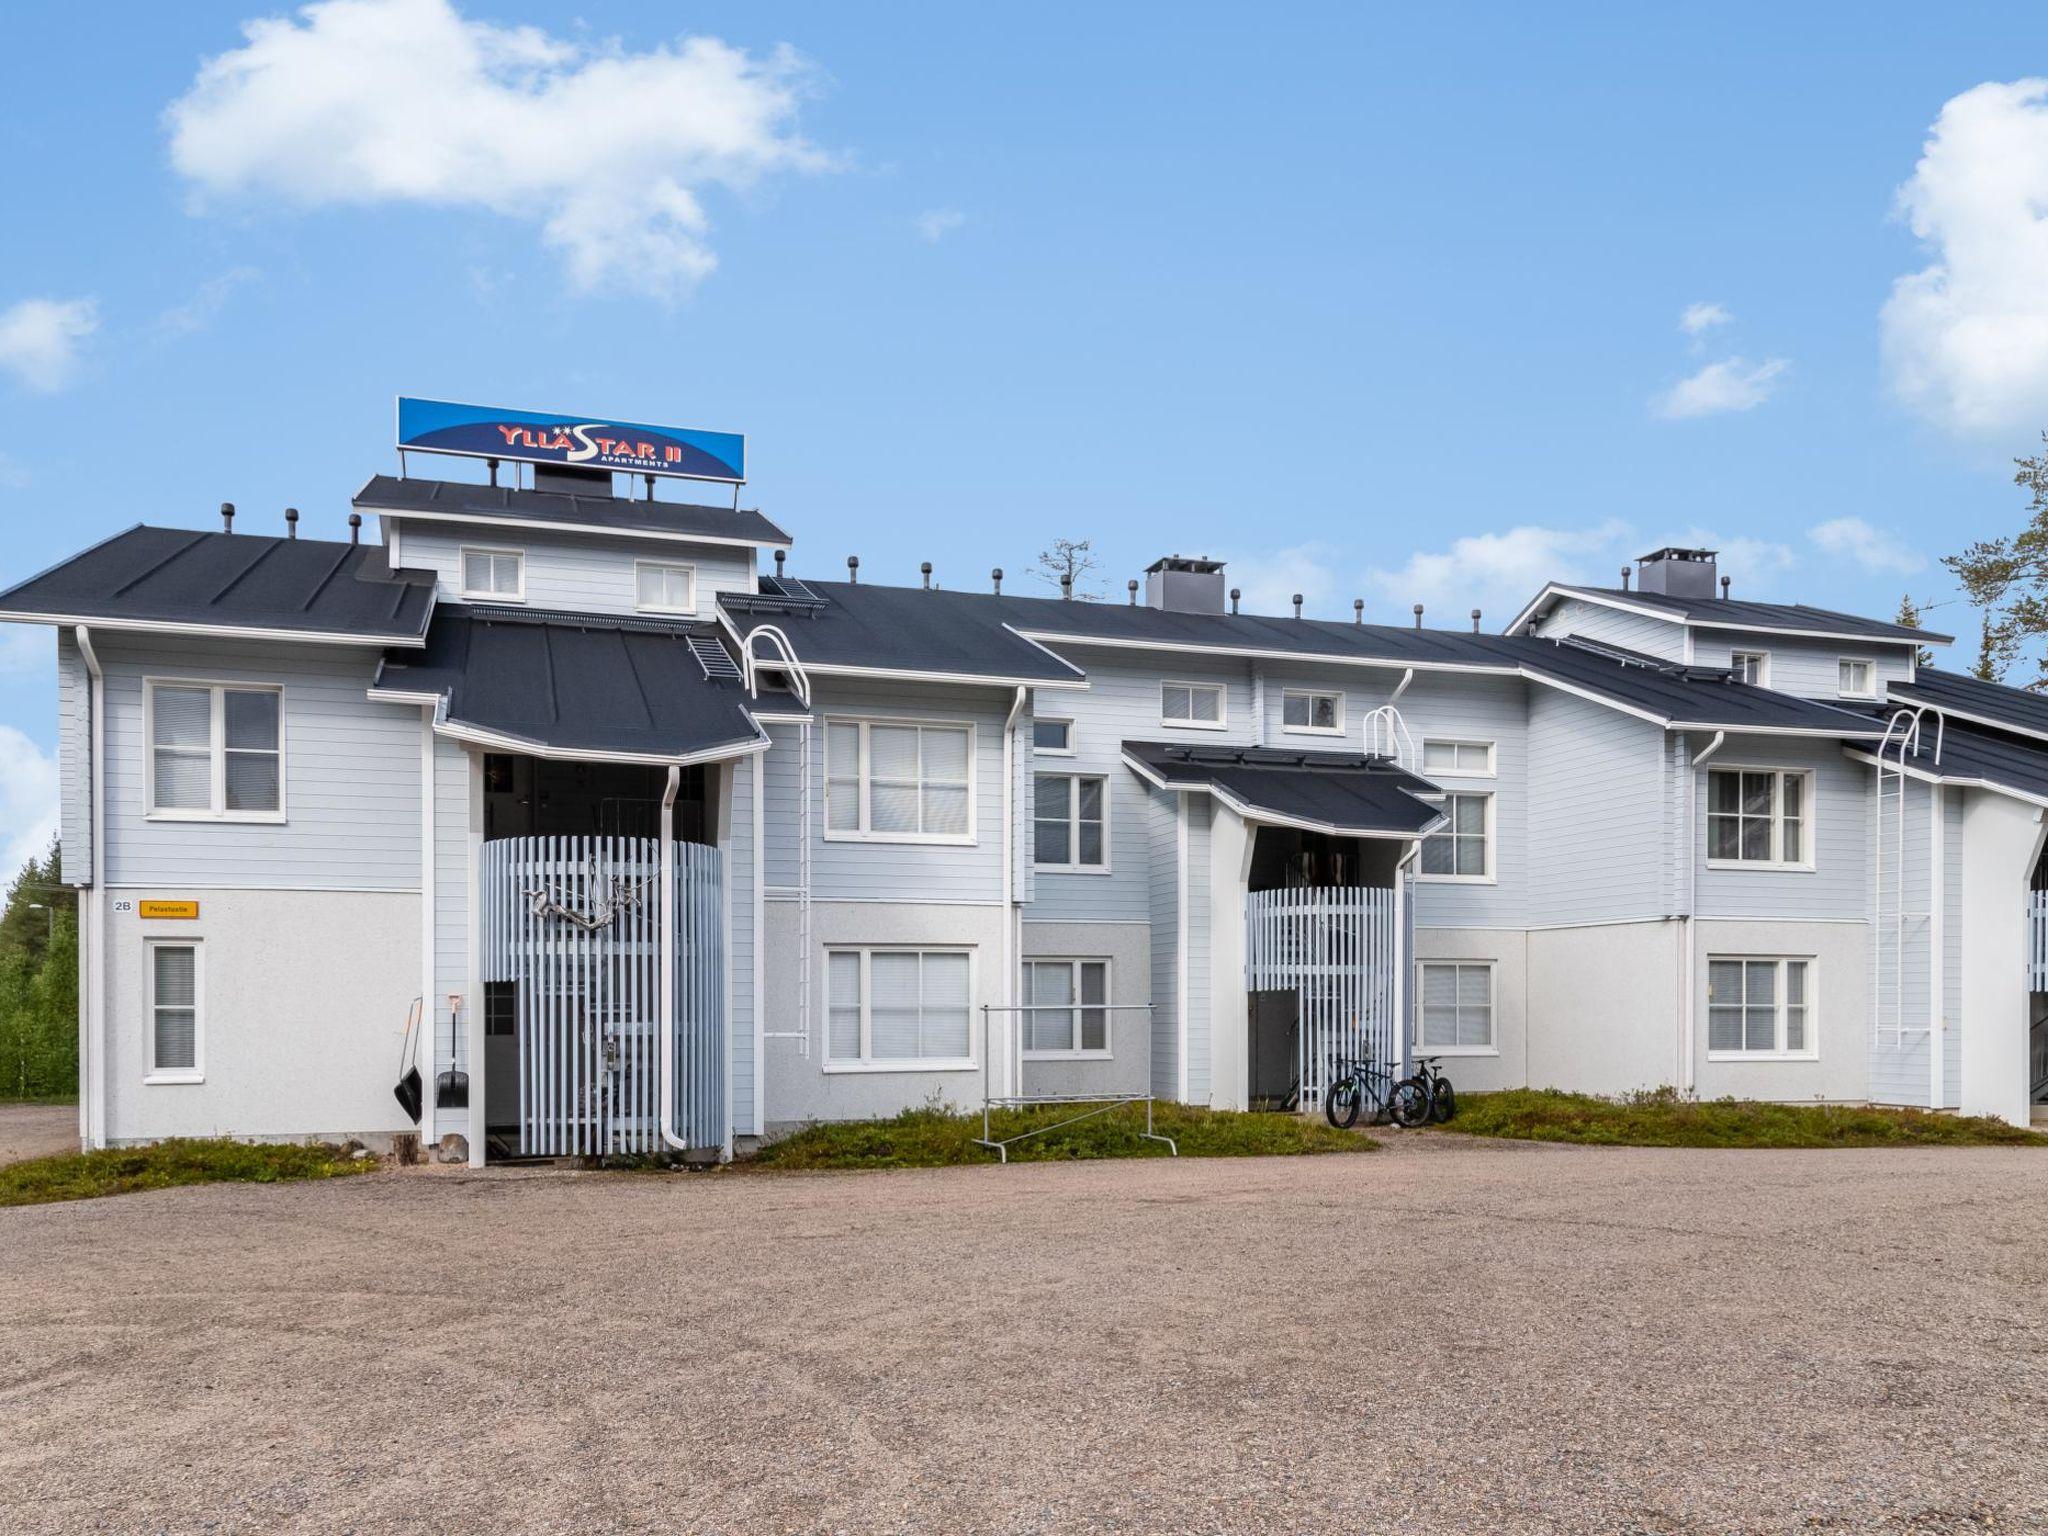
{"x":409,"y":1084}
{"x":452,"y":1087}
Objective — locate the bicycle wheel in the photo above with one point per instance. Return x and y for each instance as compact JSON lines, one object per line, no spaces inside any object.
{"x":1444,"y":1102}
{"x":1340,"y":1103}
{"x":1408,"y":1103}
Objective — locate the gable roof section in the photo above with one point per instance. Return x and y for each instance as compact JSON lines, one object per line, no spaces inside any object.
{"x":182,"y":580}
{"x":462,"y":502}
{"x":572,"y":686}
{"x":1731,"y":613}
{"x":1340,"y":793}
{"x":1961,"y":697}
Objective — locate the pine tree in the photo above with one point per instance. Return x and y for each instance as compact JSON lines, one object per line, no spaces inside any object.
{"x":1909,"y":618}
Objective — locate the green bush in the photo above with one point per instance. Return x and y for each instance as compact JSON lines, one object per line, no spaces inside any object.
{"x":1664,"y":1118}
{"x":122,"y":1170}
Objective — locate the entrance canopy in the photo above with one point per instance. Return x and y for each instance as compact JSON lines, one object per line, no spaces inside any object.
{"x":557,"y":685}
{"x":1343,"y":794}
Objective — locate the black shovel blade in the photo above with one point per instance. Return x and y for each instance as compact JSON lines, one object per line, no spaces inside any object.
{"x":408,"y":1094}
{"x":452,"y":1089}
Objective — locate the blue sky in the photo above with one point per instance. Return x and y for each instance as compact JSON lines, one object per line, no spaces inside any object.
{"x":1372,"y":301}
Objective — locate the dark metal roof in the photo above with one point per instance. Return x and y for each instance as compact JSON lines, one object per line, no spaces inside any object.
{"x":573,"y":685}
{"x":1734,"y":613}
{"x":1973,"y":757}
{"x":464,"y":502}
{"x":1337,"y":792}
{"x":177,"y":577}
{"x":1968,"y":698}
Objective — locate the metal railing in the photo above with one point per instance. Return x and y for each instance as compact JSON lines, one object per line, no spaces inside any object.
{"x":1338,"y":950}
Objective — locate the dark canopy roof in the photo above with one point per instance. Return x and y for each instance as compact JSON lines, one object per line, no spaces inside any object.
{"x":571,"y":685}
{"x":175,"y":578}
{"x":1968,"y":698}
{"x":1734,"y":613}
{"x":1973,"y":757}
{"x":457,"y":501}
{"x":1336,"y":792}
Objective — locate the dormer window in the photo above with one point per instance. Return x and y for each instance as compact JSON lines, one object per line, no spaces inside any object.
{"x":1751,"y":667}
{"x":495,"y":575}
{"x":663,"y":588}
{"x":1857,"y":679}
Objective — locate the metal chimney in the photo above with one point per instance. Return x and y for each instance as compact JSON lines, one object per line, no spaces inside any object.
{"x":1183,"y":585}
{"x":1677,"y":572}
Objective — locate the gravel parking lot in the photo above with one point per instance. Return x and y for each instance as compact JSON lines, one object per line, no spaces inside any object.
{"x":1447,"y":1336}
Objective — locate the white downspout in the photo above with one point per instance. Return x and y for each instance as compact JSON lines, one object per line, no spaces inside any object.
{"x":1012,"y":964}
{"x":1407,"y":677}
{"x":667,"y":946}
{"x":1688,"y":1014}
{"x":92,"y":1107}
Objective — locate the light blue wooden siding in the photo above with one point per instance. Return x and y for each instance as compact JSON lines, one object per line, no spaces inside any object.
{"x":1899,"y":1072}
{"x":1445,"y":706}
{"x":351,"y":769}
{"x":452,"y":767}
{"x":1162,"y":828}
{"x":1952,"y":946}
{"x":74,"y":763}
{"x":746,"y":779}
{"x":1196,"y":962}
{"x":1596,"y":813}
{"x":1614,"y":626}
{"x":1808,"y":668}
{"x":862,"y":870}
{"x":781,"y":842}
{"x":1838,"y":827}
{"x":584,"y":572}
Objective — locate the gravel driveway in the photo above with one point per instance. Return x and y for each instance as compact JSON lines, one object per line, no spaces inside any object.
{"x":1448,"y":1336}
{"x":37,"y":1130}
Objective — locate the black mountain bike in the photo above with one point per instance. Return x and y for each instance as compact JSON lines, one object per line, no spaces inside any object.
{"x":1354,"y":1081}
{"x":1435,"y":1089}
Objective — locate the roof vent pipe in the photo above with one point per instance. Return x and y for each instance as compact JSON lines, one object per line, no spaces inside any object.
{"x":494,"y":470}
{"x":996,"y":577}
{"x":1358,"y":610}
{"x":1624,"y":578}
{"x":1418,"y":615}
{"x":1724,"y":589}
{"x":1475,"y":621}
{"x":1132,"y":586}
{"x":1234,"y":595}
{"x":925,"y":570}
{"x":780,"y":556}
{"x":1067,"y":586}
{"x":227,"y":517}
{"x":291,"y":522}
{"x":355,"y":528}
{"x":853,"y":569}
{"x":1297,"y":605}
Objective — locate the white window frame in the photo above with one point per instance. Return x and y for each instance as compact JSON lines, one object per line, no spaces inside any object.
{"x":689,"y":574}
{"x":196,"y":1073}
{"x":1220,"y":723}
{"x":1105,"y":1007}
{"x":1455,"y":742}
{"x":1492,"y":875}
{"x":216,"y":749}
{"x":867,"y":1061}
{"x":1763,"y":666}
{"x":1492,"y":969}
{"x":1809,"y":820}
{"x":1067,"y":750}
{"x":1869,"y":690}
{"x":1073,"y":825}
{"x":1335,"y":695}
{"x":862,"y":834}
{"x":462,"y":555}
{"x":1811,"y":1005}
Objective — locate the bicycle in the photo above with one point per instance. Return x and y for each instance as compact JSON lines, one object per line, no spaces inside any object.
{"x":1435,"y":1089}
{"x":1351,"y":1080}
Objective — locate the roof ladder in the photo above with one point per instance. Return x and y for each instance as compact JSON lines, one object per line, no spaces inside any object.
{"x":1385,"y":734}
{"x":1894,"y":924}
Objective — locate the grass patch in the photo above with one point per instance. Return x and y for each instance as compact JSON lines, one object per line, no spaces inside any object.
{"x":123,"y":1170}
{"x":931,"y":1137}
{"x":1663,"y":1119}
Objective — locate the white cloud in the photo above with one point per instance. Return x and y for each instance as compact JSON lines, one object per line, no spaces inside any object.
{"x":28,"y":801}
{"x":407,"y":101}
{"x":1269,"y":581}
{"x":1966,"y":337}
{"x":204,"y":307}
{"x":1729,"y":385}
{"x":934,"y":224}
{"x":1702,"y":317}
{"x":1496,"y":573}
{"x":39,"y":340}
{"x":1874,"y":549}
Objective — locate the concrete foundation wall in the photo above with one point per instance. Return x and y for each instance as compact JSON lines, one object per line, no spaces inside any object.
{"x":1603,"y":1007}
{"x":1128,"y":948}
{"x":1507,"y":1065}
{"x":1840,"y":953}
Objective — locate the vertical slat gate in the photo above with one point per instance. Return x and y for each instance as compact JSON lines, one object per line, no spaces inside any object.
{"x":1337,"y":949}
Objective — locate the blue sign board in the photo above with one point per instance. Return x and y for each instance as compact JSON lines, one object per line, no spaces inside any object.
{"x":542,"y":437}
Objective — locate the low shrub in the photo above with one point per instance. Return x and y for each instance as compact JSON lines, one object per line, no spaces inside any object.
{"x":1665,"y":1118}
{"x":167,"y":1164}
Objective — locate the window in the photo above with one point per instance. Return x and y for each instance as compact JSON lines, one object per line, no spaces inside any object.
{"x":1751,"y":667}
{"x":1320,"y":714}
{"x":499,"y":573}
{"x":1855,"y":679}
{"x":1757,"y":816}
{"x":900,"y":1007}
{"x":1053,"y":1024}
{"x":1462,"y":849}
{"x":664,"y":588}
{"x":174,"y":1011}
{"x":897,"y":781}
{"x":1457,"y":1006}
{"x":1759,"y":1007}
{"x":1053,"y":736}
{"x":1070,"y":825}
{"x":1195,"y":706}
{"x":1474,"y":757}
{"x":215,"y":752}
